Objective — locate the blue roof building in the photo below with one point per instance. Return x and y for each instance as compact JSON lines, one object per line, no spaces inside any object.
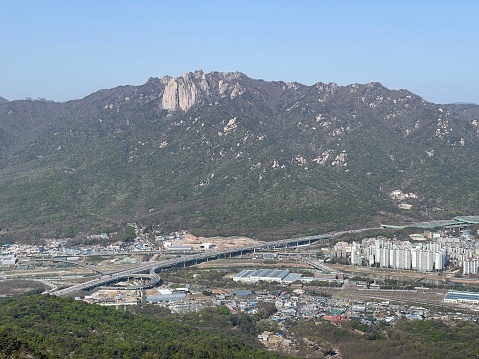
{"x":456,"y":296}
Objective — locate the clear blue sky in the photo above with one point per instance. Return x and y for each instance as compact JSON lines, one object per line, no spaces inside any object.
{"x":67,"y":49}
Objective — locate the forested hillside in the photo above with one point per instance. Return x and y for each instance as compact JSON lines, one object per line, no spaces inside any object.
{"x":224,"y":154}
{"x":51,"y":327}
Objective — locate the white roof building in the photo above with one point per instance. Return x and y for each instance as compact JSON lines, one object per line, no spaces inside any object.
{"x":9,"y":260}
{"x":456,"y":296}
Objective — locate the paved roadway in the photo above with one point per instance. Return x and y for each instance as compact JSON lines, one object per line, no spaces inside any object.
{"x":151,"y":267}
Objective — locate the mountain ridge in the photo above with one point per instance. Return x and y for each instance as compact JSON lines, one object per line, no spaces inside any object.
{"x":221,"y":153}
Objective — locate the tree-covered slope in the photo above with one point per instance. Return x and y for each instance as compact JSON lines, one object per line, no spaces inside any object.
{"x":51,"y":327}
{"x":431,"y":339}
{"x":225,"y":154}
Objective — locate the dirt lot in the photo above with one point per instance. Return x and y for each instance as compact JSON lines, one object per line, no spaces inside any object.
{"x":218,"y":242}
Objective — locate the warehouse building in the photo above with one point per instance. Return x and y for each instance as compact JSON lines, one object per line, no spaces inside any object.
{"x":9,"y":260}
{"x":456,"y":296}
{"x":266,"y":275}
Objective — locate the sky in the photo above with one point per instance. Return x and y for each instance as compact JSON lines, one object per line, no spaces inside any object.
{"x":62,"y":50}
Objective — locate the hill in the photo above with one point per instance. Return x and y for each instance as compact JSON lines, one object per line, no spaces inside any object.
{"x":42,"y":326}
{"x":224,"y":154}
{"x":50,"y":327}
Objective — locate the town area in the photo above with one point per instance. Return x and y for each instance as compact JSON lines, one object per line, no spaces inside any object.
{"x":329,"y":279}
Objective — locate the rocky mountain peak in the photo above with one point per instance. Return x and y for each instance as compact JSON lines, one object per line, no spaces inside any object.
{"x":182,"y":93}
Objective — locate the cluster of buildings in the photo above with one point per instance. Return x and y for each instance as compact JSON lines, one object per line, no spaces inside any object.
{"x":386,"y":253}
{"x":55,"y":248}
{"x":398,"y":195}
{"x":433,"y":255}
{"x":297,"y":305}
{"x":463,"y":252}
{"x":423,"y":257}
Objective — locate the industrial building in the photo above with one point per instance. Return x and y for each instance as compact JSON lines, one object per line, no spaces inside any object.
{"x":456,"y":296}
{"x":9,"y":260}
{"x":266,"y":275}
{"x":174,"y":297}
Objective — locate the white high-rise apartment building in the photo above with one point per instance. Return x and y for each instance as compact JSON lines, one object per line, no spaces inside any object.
{"x":402,"y":255}
{"x":470,"y":266}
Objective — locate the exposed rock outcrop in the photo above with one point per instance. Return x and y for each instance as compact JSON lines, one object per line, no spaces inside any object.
{"x":184,"y":92}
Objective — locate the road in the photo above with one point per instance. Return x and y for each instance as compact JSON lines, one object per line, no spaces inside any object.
{"x":151,"y":267}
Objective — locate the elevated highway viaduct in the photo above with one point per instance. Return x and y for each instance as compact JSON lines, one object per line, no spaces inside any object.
{"x":152,"y":267}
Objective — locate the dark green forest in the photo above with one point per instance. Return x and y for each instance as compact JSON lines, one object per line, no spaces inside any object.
{"x":50,"y":327}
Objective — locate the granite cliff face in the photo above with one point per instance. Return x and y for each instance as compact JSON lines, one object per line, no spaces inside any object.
{"x":221,"y":153}
{"x":195,"y":88}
